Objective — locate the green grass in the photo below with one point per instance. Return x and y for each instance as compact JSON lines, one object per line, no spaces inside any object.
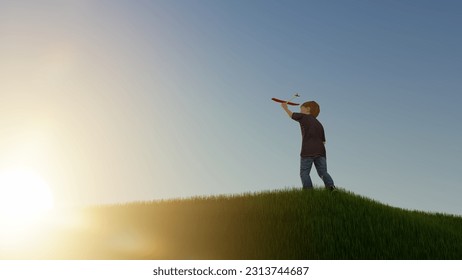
{"x":285,"y":224}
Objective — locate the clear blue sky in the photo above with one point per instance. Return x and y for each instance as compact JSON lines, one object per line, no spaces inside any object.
{"x":115,"y":101}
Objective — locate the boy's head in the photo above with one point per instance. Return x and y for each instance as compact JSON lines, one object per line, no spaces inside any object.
{"x":310,"y":107}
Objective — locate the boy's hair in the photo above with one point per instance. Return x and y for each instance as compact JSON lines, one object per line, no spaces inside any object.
{"x":314,"y":108}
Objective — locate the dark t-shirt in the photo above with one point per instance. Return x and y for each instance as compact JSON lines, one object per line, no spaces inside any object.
{"x":312,"y":135}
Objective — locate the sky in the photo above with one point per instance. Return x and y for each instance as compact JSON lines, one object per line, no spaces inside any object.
{"x":119,"y":101}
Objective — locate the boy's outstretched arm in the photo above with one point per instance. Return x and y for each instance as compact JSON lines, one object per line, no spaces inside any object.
{"x":289,"y":112}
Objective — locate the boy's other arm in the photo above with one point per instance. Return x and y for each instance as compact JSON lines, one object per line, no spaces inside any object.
{"x":289,"y":112}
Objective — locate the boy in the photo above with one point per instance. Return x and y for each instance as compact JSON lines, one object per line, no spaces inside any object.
{"x":313,"y":141}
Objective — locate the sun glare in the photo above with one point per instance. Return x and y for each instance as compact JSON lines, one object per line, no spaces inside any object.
{"x":24,"y":197}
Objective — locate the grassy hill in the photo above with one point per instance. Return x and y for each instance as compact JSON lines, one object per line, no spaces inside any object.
{"x":285,"y":224}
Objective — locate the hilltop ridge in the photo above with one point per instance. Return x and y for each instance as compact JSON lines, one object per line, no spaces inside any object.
{"x":283,"y":224}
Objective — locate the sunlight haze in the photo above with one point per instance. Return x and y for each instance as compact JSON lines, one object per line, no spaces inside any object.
{"x":118,"y":101}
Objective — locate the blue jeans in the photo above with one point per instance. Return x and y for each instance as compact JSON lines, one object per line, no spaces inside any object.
{"x":321,"y":167}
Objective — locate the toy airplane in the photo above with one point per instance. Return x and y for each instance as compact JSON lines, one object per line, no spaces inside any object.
{"x":288,"y":101}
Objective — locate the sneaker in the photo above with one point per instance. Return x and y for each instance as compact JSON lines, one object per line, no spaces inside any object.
{"x":331,"y":188}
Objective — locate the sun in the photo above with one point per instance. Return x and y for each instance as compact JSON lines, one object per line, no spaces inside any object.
{"x":24,"y":197}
